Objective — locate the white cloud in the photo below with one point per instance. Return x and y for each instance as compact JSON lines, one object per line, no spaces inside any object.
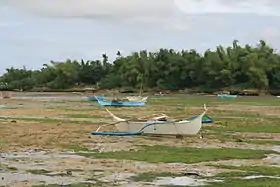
{"x":147,"y":13}
{"x":261,"y":7}
{"x":128,"y":25}
{"x":162,"y":23}
{"x":157,"y":13}
{"x":96,"y":9}
{"x":120,"y":9}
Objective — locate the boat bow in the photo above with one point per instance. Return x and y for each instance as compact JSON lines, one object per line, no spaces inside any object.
{"x":115,"y":118}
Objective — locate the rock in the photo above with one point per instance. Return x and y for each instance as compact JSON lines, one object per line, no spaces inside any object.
{"x":192,"y":174}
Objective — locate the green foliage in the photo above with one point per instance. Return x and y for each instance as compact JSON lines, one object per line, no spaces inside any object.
{"x":151,"y":176}
{"x":259,"y":182}
{"x":164,"y":154}
{"x":250,"y":170}
{"x":75,"y":185}
{"x":236,"y":66}
{"x":38,"y":171}
{"x":75,"y":148}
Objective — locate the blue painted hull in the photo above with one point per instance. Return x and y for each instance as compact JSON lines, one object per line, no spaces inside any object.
{"x":205,"y":119}
{"x":227,"y":96}
{"x":120,"y":103}
{"x":94,"y":98}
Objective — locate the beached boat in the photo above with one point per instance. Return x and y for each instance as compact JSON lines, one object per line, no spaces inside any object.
{"x":93,"y":98}
{"x":159,"y":125}
{"x":120,"y":103}
{"x":137,"y":98}
{"x":227,"y":96}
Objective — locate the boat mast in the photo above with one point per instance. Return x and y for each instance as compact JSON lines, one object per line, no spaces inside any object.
{"x":141,"y":86}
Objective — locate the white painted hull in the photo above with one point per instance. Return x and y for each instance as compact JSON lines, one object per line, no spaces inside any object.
{"x":137,"y":98}
{"x":182,"y":128}
{"x":185,"y":127}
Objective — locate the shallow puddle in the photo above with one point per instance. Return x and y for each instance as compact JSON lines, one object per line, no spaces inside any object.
{"x":11,"y":178}
{"x":38,"y":155}
{"x":276,"y":148}
{"x":55,"y":167}
{"x":273,"y":158}
{"x":181,"y":181}
{"x":260,"y":176}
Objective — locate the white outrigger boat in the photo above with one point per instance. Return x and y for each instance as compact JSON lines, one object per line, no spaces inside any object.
{"x":159,"y":125}
{"x":137,"y":98}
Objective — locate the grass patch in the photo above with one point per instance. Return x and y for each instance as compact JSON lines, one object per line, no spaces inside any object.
{"x":12,"y":168}
{"x":166,"y":154}
{"x":151,"y":176}
{"x":249,"y":170}
{"x":64,"y":174}
{"x":75,"y":185}
{"x":249,"y":128}
{"x":85,"y":116}
{"x":264,"y":142}
{"x":223,"y":137}
{"x":265,"y":126}
{"x":84,"y":109}
{"x":50,"y":120}
{"x":38,"y":171}
{"x":261,"y":182}
{"x":2,"y":142}
{"x":232,"y":179}
{"x":236,"y":114}
{"x":7,"y":168}
{"x":75,"y":148}
{"x":192,"y":100}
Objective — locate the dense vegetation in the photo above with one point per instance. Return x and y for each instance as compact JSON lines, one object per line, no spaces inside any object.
{"x":239,"y":67}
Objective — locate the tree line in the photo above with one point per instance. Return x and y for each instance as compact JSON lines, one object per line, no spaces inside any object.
{"x":232,"y":67}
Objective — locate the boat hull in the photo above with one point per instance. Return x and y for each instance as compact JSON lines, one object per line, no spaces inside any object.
{"x":227,"y":96}
{"x":137,"y":98}
{"x":164,"y":128}
{"x":94,"y":98}
{"x":121,"y":104}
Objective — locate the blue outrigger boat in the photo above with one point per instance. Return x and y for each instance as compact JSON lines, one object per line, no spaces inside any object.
{"x":120,"y":103}
{"x":93,"y":98}
{"x":227,"y":96}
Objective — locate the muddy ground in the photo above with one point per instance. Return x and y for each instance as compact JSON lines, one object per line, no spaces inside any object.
{"x":43,"y":137}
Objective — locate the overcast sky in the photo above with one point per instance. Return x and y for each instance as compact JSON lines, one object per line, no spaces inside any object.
{"x":33,"y":32}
